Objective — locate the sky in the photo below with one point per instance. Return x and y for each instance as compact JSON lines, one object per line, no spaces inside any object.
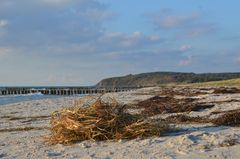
{"x":80,"y":42}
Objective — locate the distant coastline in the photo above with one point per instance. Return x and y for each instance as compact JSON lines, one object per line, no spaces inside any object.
{"x":163,"y":78}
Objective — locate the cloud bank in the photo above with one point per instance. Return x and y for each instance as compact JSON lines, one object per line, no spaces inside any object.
{"x":67,"y":42}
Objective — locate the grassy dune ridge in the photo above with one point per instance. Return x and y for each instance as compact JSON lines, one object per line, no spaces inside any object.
{"x":231,"y":82}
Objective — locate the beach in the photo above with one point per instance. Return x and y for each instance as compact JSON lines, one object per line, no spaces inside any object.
{"x":25,"y":126}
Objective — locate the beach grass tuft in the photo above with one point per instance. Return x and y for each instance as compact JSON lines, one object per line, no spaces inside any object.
{"x":101,"y":121}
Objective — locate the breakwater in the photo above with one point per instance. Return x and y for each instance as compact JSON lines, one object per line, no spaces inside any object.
{"x":60,"y":90}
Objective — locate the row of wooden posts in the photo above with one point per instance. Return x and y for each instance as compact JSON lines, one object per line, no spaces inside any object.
{"x":60,"y":91}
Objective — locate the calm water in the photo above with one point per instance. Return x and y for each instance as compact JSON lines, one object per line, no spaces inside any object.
{"x":20,"y":98}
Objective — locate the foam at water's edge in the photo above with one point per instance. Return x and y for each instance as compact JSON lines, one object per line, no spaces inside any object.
{"x":21,"y":98}
{"x":35,"y":94}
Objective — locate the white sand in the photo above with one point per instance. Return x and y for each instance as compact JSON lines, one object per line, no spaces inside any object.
{"x":193,"y":141}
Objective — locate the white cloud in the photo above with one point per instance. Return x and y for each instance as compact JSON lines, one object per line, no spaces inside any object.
{"x":55,"y":2}
{"x":136,"y":34}
{"x":168,"y":20}
{"x":99,"y":15}
{"x":200,"y":30}
{"x":185,"y":62}
{"x":185,"y":48}
{"x":190,"y":25}
{"x":74,"y":29}
{"x":108,"y":43}
{"x":237,"y":60}
{"x":6,"y":51}
{"x":51,"y":3}
{"x":174,"y":21}
{"x":3,"y":23}
{"x":77,"y":22}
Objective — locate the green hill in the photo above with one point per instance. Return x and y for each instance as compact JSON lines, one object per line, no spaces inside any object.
{"x":163,"y":78}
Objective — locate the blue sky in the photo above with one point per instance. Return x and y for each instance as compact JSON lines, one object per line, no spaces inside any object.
{"x":79,"y":42}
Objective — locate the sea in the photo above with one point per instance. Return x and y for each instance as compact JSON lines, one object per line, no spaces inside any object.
{"x":9,"y":99}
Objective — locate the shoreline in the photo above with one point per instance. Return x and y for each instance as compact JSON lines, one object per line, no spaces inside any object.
{"x":11,"y":99}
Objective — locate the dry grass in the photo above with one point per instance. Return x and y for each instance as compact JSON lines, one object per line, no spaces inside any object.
{"x":100,"y":121}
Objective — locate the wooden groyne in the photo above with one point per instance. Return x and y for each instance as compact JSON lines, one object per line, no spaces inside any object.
{"x":60,"y":90}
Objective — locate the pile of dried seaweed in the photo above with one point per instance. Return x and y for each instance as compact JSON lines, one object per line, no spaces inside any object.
{"x":167,"y":104}
{"x":182,"y":118}
{"x":100,"y":121}
{"x":228,"y":119}
{"x":225,"y":90}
